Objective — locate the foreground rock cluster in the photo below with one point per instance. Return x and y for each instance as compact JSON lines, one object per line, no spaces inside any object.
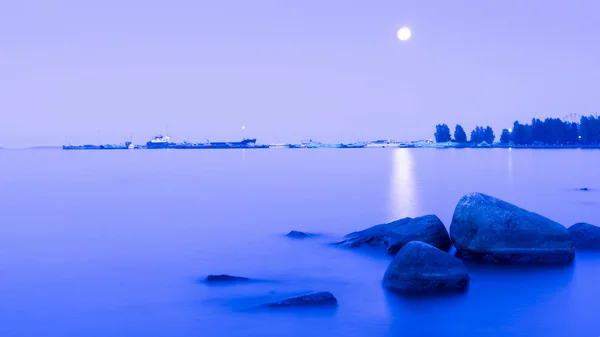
{"x":484,"y":229}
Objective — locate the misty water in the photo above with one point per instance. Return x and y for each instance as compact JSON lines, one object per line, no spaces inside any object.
{"x":114,"y":243}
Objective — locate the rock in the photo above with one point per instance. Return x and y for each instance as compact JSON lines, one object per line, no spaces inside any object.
{"x":225,"y":279}
{"x":319,"y":299}
{"x":299,"y":235}
{"x":422,"y":268}
{"x":491,"y":230}
{"x":584,"y":189}
{"x":395,"y":235}
{"x":585,"y":236}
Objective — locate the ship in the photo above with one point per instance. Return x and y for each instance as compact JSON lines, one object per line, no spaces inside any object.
{"x":384,"y":143}
{"x":279,"y":146}
{"x":126,"y":146}
{"x":244,"y":144}
{"x":353,"y":146}
{"x":160,"y":142}
{"x":306,"y":144}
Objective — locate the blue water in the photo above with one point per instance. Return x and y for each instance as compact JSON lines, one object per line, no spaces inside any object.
{"x":105,"y":243}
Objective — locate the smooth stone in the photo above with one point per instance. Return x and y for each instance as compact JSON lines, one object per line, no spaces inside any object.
{"x":422,"y":268}
{"x":490,"y":230}
{"x":299,"y":235}
{"x":223,"y":278}
{"x":394,"y":235}
{"x":320,"y":299}
{"x":585,"y":236}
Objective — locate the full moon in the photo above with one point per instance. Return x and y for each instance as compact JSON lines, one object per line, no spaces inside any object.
{"x":404,"y":34}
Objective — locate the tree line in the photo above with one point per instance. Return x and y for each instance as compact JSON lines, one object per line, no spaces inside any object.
{"x":551,"y":131}
{"x":478,"y":135}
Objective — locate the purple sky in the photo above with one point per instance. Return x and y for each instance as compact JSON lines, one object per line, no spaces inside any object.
{"x":331,"y":70}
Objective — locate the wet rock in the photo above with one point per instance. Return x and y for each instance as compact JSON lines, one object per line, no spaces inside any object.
{"x":585,"y":236}
{"x":394,"y":235}
{"x":320,"y":299}
{"x":422,"y":268}
{"x":223,"y":278}
{"x":584,"y":189}
{"x":299,"y":235}
{"x":491,"y":230}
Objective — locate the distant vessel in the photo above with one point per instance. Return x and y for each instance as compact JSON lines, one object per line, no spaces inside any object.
{"x":384,"y":143}
{"x":244,"y":144}
{"x":160,"y":142}
{"x":126,"y":146}
{"x":353,"y":145}
{"x":308,"y":144}
{"x":279,"y":146}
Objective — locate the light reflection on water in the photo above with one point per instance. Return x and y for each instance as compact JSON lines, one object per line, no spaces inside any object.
{"x":403,"y":202}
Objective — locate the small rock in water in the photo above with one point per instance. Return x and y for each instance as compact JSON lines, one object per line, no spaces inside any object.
{"x":421,"y":268}
{"x":491,"y":230}
{"x":584,"y":189}
{"x":395,"y":235}
{"x":585,"y":236}
{"x":299,"y":235}
{"x":225,"y":278}
{"x":320,"y":299}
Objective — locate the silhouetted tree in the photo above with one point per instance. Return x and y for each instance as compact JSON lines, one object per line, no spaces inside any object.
{"x":488,"y":135}
{"x":571,"y":133}
{"x":460,"y":136}
{"x":522,"y":134}
{"x":589,"y":130}
{"x":442,"y":133}
{"x":478,"y":135}
{"x":505,"y":136}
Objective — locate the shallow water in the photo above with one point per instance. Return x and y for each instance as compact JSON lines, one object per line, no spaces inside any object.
{"x":114,"y":243}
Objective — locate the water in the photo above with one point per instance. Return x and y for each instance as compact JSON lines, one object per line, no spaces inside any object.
{"x":113,"y":243}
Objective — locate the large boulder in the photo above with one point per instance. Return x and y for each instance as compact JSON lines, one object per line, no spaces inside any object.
{"x":223,"y":278}
{"x":299,"y":235}
{"x":585,"y":236}
{"x":320,"y":299}
{"x":491,"y":230}
{"x":422,"y":268}
{"x":394,"y":235}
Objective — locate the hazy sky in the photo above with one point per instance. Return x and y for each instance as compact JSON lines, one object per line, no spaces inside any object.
{"x":289,"y":69}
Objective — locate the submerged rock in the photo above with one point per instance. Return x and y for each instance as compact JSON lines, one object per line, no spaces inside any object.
{"x":585,"y":236}
{"x":223,"y":278}
{"x":319,"y":299}
{"x":491,"y":230}
{"x":395,"y":235}
{"x":299,"y":235}
{"x":422,"y":268}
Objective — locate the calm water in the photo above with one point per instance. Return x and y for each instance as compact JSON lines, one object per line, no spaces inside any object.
{"x":113,"y":243}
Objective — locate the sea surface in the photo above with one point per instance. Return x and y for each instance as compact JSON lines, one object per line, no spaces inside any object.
{"x":116,"y":243}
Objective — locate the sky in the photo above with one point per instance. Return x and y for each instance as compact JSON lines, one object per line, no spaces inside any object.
{"x":92,"y":71}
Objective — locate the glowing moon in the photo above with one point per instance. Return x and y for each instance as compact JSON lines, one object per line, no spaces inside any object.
{"x":404,"y":34}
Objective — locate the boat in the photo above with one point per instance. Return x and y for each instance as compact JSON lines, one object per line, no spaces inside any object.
{"x":306,"y":144}
{"x":279,"y":146}
{"x":126,"y":146}
{"x":384,"y":143}
{"x":160,"y":142}
{"x":353,"y":146}
{"x":244,"y":144}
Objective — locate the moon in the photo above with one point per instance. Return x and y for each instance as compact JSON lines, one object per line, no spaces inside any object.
{"x":404,"y":34}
